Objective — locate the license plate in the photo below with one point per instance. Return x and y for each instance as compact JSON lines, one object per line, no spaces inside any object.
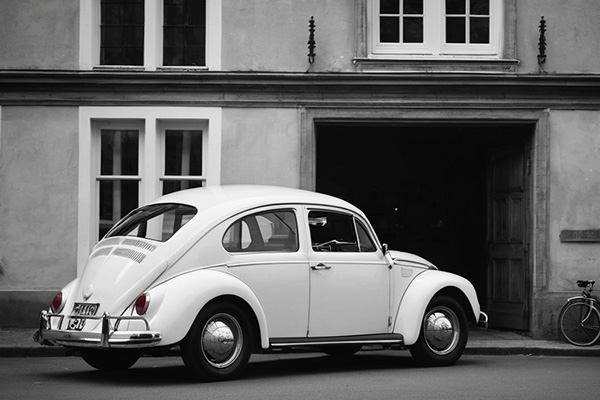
{"x":85,"y":310}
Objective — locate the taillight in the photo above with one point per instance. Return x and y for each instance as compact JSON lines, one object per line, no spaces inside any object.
{"x":142,"y":303}
{"x":57,"y":303}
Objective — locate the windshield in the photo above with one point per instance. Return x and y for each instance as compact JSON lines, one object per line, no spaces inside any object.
{"x":155,"y":222}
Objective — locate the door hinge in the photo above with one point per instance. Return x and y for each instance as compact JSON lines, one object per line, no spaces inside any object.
{"x":389,"y":321}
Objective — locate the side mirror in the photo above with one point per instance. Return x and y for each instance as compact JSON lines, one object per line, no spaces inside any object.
{"x":384,"y":248}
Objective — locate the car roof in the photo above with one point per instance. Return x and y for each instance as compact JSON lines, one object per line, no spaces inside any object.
{"x":230,"y":199}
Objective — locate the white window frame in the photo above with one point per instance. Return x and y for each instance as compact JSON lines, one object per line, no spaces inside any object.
{"x":170,"y":124}
{"x":151,"y":123}
{"x":89,"y":34}
{"x":434,"y":28}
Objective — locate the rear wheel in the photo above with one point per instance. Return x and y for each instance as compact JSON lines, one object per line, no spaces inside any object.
{"x":443,"y":334}
{"x":580,"y":323}
{"x":110,"y":360}
{"x":219,"y":343}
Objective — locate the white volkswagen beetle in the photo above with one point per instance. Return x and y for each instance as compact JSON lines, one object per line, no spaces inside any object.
{"x":227,"y":271}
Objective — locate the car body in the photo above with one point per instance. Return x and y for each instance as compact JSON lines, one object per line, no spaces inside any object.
{"x":230,"y":270}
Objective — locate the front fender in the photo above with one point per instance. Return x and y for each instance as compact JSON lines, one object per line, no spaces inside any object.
{"x":174,"y":304}
{"x":420,"y":292}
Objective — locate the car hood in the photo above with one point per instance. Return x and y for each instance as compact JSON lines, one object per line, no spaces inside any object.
{"x":117,"y":272}
{"x":401,"y":257}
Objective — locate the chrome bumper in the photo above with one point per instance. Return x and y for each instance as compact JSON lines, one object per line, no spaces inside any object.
{"x":483,"y":320}
{"x":110,"y":337}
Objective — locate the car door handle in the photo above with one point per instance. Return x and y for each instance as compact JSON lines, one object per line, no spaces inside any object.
{"x":320,"y":267}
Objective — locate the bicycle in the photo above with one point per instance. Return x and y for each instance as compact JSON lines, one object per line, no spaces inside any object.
{"x":580,"y":318}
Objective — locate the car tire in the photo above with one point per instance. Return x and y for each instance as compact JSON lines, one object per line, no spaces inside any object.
{"x":110,"y":360}
{"x":219,"y":343}
{"x":443,"y":334}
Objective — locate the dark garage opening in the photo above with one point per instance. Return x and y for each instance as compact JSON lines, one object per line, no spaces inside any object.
{"x":423,"y":187}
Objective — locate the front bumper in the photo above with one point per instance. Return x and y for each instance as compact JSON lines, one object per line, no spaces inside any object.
{"x":483,"y":320}
{"x":109,"y":337}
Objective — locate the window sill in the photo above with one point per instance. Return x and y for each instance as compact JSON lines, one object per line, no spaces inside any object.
{"x":434,"y":64}
{"x":181,"y":69}
{"x":127,"y":68}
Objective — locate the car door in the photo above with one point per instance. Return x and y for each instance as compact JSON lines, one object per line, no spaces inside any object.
{"x":349,"y":277}
{"x":266,"y":253}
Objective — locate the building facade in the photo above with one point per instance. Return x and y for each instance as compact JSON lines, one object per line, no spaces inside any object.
{"x":467,"y":130}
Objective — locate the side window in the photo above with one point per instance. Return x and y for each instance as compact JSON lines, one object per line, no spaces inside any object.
{"x":184,"y":32}
{"x":272,"y":231}
{"x":364,"y":240}
{"x":331,"y":231}
{"x":122,"y":32}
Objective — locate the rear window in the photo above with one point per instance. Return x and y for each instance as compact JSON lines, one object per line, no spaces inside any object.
{"x":155,"y":222}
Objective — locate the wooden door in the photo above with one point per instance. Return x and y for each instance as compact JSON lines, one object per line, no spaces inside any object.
{"x":508,"y":239}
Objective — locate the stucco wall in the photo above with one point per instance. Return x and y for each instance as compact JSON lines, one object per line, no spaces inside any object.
{"x":39,"y":34}
{"x":572,"y":43}
{"x":261,"y":146}
{"x":574,"y":196}
{"x":38,"y":197}
{"x":273,"y":35}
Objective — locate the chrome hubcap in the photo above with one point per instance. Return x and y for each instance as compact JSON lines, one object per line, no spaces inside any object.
{"x":441,"y":330}
{"x":221,"y":340}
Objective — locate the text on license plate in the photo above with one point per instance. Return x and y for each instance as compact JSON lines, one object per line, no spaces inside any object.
{"x":85,"y":310}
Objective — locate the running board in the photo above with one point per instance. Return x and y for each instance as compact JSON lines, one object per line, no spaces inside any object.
{"x":388,"y":338}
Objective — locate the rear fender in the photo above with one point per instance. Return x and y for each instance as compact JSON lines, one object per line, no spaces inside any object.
{"x":175,"y":303}
{"x":420,"y":292}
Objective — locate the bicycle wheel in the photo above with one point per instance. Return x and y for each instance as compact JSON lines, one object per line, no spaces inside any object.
{"x":580,"y":323}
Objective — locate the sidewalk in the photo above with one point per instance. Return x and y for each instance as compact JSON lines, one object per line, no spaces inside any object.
{"x":19,"y":343}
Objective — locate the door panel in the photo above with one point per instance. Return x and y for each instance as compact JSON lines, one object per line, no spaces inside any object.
{"x":350,"y":298}
{"x":508,"y":239}
{"x":349,"y":278}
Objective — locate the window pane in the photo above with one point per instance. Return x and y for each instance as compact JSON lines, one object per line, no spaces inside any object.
{"x":157,"y":222}
{"x":275,"y":231}
{"x":456,"y":7}
{"x":330,"y":231}
{"x":413,"y":30}
{"x":175,"y":186}
{"x":455,"y":30}
{"x":117,"y":198}
{"x":174,"y":55}
{"x":366,"y":244}
{"x":173,"y":36}
{"x":122,"y":32}
{"x":389,"y":6}
{"x":192,"y":54}
{"x":389,"y":30}
{"x":413,"y":7}
{"x":173,"y":13}
{"x":193,"y":36}
{"x":119,"y":152}
{"x":184,"y":32}
{"x":112,"y":36}
{"x":479,"y":30}
{"x":183,"y":152}
{"x":480,"y":7}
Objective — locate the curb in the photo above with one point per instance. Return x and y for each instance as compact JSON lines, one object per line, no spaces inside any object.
{"x":533,"y":351}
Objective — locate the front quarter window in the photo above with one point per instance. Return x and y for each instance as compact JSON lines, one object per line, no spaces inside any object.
{"x":155,"y":222}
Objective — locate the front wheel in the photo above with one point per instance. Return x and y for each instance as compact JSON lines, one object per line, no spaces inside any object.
{"x":580,"y":323}
{"x":443,"y":335}
{"x":219,"y":343}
